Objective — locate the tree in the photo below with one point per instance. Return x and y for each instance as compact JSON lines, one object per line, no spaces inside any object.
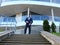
{"x":59,"y":28}
{"x":46,"y":26}
{"x":53,"y":27}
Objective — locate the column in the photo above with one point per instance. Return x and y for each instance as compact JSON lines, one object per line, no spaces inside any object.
{"x":52,"y":13}
{"x":28,"y":11}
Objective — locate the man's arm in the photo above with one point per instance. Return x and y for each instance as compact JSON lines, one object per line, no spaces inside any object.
{"x":26,"y":21}
{"x":31,"y":21}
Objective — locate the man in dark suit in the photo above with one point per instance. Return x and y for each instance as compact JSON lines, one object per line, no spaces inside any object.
{"x":28,"y":22}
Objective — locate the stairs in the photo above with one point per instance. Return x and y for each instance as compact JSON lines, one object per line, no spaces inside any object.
{"x":23,"y":39}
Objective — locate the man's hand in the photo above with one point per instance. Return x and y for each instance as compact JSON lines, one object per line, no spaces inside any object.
{"x":27,"y":22}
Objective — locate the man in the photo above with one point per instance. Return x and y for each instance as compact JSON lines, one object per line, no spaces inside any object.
{"x":28,"y":22}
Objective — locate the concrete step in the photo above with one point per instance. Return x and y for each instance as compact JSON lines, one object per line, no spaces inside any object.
{"x":24,"y":44}
{"x":33,"y":38}
{"x":23,"y":39}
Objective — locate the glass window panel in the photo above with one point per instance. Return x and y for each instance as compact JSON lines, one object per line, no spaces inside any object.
{"x":45,"y":0}
{"x":26,"y":0}
{"x":56,"y":1}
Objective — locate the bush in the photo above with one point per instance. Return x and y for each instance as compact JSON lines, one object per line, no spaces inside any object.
{"x":46,"y":26}
{"x":59,"y":28}
{"x":53,"y":27}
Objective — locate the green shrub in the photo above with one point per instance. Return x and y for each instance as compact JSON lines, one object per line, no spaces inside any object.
{"x":53,"y":27}
{"x":46,"y":26}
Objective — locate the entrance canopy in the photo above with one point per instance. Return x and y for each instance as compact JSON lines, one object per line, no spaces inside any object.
{"x":14,"y":9}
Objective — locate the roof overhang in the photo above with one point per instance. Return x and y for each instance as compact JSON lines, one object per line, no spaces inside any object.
{"x":19,"y":8}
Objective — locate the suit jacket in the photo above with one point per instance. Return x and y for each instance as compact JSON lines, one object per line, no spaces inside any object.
{"x":30,"y":21}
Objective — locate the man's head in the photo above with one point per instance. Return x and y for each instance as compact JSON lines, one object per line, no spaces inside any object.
{"x":29,"y":16}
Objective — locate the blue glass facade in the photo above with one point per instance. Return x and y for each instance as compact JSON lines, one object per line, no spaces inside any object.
{"x":7,"y":19}
{"x":35,"y":17}
{"x":42,"y":17}
{"x":57,"y":19}
{"x":56,"y":1}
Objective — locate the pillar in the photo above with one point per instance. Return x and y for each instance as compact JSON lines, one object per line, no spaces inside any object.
{"x":28,"y":11}
{"x":52,"y":13}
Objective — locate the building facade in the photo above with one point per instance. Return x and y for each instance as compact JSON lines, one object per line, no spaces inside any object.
{"x":14,"y":12}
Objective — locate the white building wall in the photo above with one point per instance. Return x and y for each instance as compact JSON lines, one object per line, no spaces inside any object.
{"x":18,"y":18}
